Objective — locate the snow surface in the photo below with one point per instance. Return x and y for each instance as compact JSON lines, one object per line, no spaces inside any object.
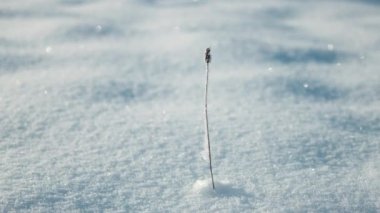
{"x":102,"y":105}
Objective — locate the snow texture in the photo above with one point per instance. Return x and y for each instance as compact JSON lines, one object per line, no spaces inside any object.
{"x":102,"y":105}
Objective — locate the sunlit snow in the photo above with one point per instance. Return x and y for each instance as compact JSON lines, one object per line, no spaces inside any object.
{"x":102,"y":106}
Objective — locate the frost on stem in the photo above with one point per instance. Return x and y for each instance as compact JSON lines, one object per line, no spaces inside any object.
{"x":207,"y":136}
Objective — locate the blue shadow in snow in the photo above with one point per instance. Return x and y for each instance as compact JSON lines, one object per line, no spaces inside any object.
{"x":373,"y":2}
{"x":304,"y":56}
{"x":12,"y":63}
{"x":118,"y":92}
{"x":356,"y":123}
{"x":14,"y":13}
{"x":309,"y":89}
{"x":170,"y":3}
{"x":75,"y":2}
{"x":91,"y":31}
{"x":315,"y":90}
{"x":30,"y":13}
{"x":277,"y":14}
{"x":230,"y":191}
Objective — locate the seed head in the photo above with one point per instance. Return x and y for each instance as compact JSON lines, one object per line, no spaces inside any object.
{"x":208,"y":55}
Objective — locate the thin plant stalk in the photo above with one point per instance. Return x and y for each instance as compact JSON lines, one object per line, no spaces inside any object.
{"x":207,"y":138}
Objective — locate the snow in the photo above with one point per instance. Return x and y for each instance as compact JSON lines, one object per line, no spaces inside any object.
{"x":102,"y":106}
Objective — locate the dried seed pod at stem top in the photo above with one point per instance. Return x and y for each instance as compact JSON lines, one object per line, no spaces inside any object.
{"x":208,"y":55}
